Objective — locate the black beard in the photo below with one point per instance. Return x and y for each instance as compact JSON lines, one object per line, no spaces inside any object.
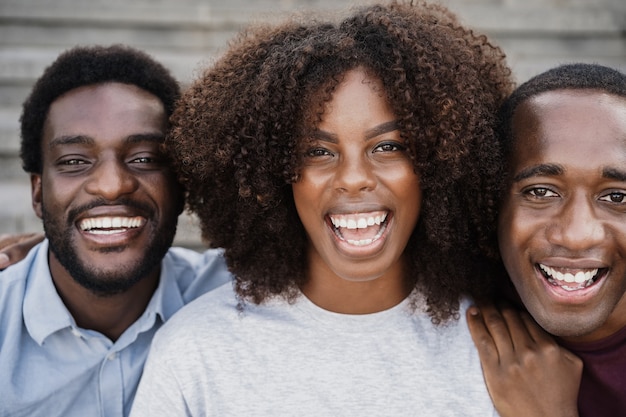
{"x":101,"y":283}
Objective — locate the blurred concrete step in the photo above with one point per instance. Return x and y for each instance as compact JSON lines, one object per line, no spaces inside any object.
{"x":21,"y":66}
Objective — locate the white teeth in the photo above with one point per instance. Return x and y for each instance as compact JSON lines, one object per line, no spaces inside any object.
{"x":581,"y":277}
{"x":96,"y":224}
{"x":357,"y":221}
{"x":362,"y":242}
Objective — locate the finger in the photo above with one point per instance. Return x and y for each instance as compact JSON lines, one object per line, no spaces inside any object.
{"x":544,"y":338}
{"x":534,"y":329}
{"x":521,"y":337}
{"x":17,"y":247}
{"x":498,"y":329}
{"x":7,"y":239}
{"x":481,"y":337}
{"x":5,"y":261}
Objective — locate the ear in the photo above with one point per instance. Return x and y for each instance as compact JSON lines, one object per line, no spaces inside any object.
{"x":35,"y":192}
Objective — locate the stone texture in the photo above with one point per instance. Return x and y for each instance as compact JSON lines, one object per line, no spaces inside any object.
{"x":186,"y":34}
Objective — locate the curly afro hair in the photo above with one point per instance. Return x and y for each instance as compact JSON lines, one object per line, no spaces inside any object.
{"x":82,"y":66}
{"x":236,"y":133}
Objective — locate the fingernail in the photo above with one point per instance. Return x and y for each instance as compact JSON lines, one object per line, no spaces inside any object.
{"x":473,"y":311}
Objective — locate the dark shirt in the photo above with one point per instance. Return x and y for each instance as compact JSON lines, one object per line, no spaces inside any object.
{"x":603,"y":387}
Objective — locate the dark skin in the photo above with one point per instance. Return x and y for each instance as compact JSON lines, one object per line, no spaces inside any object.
{"x":94,"y":171}
{"x":527,"y":373}
{"x":13,"y":248}
{"x":564,"y":210}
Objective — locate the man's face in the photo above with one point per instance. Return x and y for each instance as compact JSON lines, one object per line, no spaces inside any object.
{"x":562,"y":228}
{"x":108,"y":202}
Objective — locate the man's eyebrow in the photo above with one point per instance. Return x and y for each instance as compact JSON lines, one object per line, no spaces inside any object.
{"x":88,"y":140}
{"x":614,"y":174}
{"x":381,"y":129}
{"x":71,"y":140}
{"x":537,"y":170}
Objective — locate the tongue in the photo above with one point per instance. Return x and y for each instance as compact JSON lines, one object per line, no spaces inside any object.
{"x":359,"y":234}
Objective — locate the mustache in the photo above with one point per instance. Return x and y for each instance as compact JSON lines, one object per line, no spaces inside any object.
{"x":76,"y":211}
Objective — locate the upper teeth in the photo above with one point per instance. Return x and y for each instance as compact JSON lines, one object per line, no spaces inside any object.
{"x":579,"y":277}
{"x":357,"y":221}
{"x":110,"y":222}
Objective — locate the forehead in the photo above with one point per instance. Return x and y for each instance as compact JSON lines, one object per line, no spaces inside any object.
{"x":105,"y":110}
{"x":565,"y":124}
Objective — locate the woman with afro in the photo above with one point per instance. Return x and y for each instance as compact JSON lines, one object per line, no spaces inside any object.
{"x":349,"y":171}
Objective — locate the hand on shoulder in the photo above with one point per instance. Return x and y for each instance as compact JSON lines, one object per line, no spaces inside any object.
{"x":14,"y":248}
{"x":527,"y":373}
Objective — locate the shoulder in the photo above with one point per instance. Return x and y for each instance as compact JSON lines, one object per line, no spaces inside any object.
{"x":206,"y":315}
{"x":195,"y":273}
{"x":15,"y":277}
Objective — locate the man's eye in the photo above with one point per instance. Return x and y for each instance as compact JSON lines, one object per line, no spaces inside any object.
{"x":72,"y":162}
{"x":614,"y":197}
{"x":542,"y":192}
{"x":144,"y":160}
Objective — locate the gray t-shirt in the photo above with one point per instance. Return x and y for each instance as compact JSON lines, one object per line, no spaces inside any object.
{"x":281,"y":359}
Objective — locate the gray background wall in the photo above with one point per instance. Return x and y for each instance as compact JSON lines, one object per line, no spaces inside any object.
{"x":186,"y":34}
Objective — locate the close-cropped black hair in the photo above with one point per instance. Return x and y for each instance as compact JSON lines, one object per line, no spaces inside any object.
{"x":89,"y":65}
{"x":236,"y":141}
{"x":576,"y":76}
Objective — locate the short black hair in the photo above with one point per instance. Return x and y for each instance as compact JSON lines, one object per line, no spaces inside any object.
{"x":89,"y":65}
{"x":576,"y":76}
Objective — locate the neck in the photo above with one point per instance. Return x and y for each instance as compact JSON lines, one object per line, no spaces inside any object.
{"x":110,"y":315}
{"x":333,"y":293}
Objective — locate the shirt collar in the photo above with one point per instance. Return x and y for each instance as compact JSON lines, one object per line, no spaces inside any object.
{"x":44,"y":311}
{"x":167,"y":299}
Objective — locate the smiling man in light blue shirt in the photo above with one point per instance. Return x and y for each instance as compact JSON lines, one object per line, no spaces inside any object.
{"x":78,"y":314}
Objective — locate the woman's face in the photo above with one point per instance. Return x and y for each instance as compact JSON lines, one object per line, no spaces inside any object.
{"x":357,"y":196}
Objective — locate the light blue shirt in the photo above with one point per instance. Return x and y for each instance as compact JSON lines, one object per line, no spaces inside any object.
{"x":51,"y":367}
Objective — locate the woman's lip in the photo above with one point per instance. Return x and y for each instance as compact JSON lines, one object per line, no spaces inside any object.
{"x":361,"y":249}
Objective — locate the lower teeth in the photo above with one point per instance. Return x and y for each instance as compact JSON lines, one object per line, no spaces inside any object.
{"x":569,"y":288}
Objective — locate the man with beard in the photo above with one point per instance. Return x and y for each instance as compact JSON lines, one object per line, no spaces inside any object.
{"x":77,"y":315}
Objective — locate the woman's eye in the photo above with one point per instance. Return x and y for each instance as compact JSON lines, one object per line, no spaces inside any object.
{"x":389,"y":147}
{"x":316,"y":152}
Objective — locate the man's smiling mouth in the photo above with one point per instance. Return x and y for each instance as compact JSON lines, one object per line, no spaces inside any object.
{"x":571,"y":280}
{"x":110,"y":225}
{"x":359,"y":229}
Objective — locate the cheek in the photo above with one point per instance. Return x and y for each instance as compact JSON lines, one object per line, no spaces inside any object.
{"x":57,"y":194}
{"x":406,"y":186}
{"x":308,"y":191}
{"x":510,"y":236}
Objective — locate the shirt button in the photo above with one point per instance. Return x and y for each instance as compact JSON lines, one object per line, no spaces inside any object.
{"x":76,"y":332}
{"x":112,"y":356}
